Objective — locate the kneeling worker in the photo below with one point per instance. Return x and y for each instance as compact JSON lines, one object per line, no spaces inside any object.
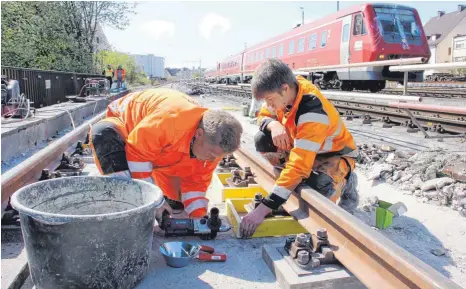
{"x":323,"y":152}
{"x":164,"y":137}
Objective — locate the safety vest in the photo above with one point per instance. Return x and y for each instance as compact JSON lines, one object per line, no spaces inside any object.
{"x":315,"y":126}
{"x":108,"y":72}
{"x":159,"y":125}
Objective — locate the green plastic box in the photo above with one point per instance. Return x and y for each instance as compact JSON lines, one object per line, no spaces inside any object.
{"x":383,"y":215}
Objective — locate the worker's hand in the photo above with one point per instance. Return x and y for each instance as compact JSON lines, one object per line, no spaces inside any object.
{"x":251,"y":221}
{"x":279,"y":136}
{"x":159,"y":213}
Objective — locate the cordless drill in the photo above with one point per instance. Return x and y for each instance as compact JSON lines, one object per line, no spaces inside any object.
{"x":205,"y":228}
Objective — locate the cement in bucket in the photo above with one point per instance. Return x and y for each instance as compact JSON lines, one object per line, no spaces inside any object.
{"x":87,"y":232}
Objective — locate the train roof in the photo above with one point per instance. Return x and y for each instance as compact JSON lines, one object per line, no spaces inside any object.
{"x":306,"y":27}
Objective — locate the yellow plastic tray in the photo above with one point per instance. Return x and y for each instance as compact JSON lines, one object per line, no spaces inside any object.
{"x":271,"y":227}
{"x":234,"y":193}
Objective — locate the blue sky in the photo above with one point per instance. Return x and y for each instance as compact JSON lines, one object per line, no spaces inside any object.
{"x":186,"y":32}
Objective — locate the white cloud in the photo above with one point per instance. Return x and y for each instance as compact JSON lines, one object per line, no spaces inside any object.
{"x":212,"y":21}
{"x":159,"y":28}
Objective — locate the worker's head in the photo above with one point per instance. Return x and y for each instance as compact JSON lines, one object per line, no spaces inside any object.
{"x":218,"y":134}
{"x":275,"y":83}
{"x":119,"y":66}
{"x":109,"y":66}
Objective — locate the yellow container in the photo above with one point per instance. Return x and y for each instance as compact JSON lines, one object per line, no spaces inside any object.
{"x":271,"y":227}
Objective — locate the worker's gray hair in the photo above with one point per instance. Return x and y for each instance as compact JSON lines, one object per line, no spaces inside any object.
{"x":270,"y":76}
{"x":222,"y":129}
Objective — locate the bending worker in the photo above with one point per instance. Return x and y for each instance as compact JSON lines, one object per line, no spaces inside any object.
{"x":164,"y":137}
{"x":322,"y":154}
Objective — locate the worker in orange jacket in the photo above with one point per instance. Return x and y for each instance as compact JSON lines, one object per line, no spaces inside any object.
{"x":164,"y":137}
{"x":322,"y":154}
{"x":120,"y":76}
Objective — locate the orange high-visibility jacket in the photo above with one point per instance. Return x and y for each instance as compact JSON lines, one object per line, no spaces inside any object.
{"x":159,"y":125}
{"x":316,"y":128}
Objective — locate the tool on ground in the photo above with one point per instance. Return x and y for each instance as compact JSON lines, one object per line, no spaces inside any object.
{"x":206,"y":228}
{"x":179,"y":254}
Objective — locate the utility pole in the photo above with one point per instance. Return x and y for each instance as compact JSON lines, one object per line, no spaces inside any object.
{"x":338,"y":5}
{"x":302,"y":15}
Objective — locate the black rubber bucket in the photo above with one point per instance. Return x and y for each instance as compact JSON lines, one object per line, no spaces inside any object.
{"x":87,"y":232}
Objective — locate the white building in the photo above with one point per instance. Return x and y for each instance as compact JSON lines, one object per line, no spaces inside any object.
{"x":458,"y":53}
{"x":153,"y":66}
{"x":100,"y":40}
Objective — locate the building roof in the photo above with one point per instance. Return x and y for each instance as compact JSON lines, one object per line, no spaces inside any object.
{"x":443,"y":25}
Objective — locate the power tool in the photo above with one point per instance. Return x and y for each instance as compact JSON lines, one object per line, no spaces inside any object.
{"x":205,"y":228}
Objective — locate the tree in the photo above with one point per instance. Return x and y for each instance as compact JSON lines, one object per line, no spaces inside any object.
{"x":127,"y":62}
{"x":57,"y":35}
{"x":85,"y":15}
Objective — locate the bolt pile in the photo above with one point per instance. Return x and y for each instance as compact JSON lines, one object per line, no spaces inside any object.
{"x":311,"y":251}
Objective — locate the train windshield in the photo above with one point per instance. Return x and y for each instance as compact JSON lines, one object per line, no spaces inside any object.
{"x":397,"y":25}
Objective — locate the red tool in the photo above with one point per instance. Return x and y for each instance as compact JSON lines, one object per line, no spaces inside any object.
{"x":209,"y":255}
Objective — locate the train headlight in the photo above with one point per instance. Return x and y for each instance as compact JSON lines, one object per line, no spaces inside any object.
{"x":381,"y":56}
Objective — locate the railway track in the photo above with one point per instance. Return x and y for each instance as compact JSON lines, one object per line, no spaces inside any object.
{"x":372,"y":258}
{"x":442,"y":122}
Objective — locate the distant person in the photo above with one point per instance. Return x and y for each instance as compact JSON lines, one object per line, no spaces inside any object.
{"x":120,"y":76}
{"x":164,"y":137}
{"x":109,"y":74}
{"x":302,"y":135}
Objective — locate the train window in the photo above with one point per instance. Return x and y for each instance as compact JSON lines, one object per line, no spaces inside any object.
{"x":252,"y":58}
{"x":291,"y":47}
{"x":280,"y":50}
{"x":267,"y":53}
{"x":262,"y":55}
{"x":274,"y":52}
{"x":313,"y":41}
{"x":257,"y":56}
{"x":346,"y":33}
{"x":359,"y":27}
{"x":301,"y":45}
{"x":323,"y":41}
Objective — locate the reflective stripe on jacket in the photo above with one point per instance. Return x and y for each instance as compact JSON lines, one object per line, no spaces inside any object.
{"x":315,"y":126}
{"x":160,"y":125}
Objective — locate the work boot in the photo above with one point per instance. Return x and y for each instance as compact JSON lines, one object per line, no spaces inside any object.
{"x":350,"y":197}
{"x":175,"y":205}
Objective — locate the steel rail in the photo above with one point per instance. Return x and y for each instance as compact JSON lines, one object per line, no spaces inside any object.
{"x":450,"y":122}
{"x":436,"y":66}
{"x":375,"y":260}
{"x":18,"y":176}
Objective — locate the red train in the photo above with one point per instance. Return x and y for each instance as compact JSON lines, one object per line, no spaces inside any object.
{"x":362,"y":33}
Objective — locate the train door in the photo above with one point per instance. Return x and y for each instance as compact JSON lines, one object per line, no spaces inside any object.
{"x":357,"y":40}
{"x":345,"y":53}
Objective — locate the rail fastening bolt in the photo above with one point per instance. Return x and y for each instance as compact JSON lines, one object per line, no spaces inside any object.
{"x":322,"y":233}
{"x":301,"y":239}
{"x":303,"y":257}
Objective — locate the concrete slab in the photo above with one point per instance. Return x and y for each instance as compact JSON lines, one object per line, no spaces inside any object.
{"x":19,"y":136}
{"x":325,"y":276}
{"x":14,"y":259}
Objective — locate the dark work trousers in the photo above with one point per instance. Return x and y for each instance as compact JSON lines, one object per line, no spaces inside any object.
{"x":110,"y":79}
{"x":108,"y":145}
{"x":329,"y":172}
